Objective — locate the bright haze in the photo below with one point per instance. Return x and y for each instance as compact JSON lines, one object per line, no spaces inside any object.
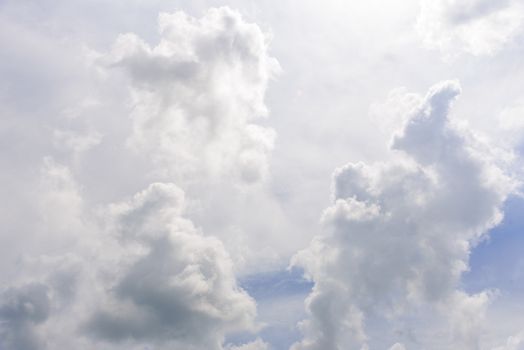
{"x":261,"y":175}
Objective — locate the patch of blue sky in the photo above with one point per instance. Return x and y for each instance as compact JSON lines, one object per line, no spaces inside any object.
{"x":280,"y":299}
{"x":276,"y":284}
{"x":498,"y":262}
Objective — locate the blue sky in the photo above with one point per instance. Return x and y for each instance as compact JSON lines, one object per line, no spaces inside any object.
{"x":497,"y":261}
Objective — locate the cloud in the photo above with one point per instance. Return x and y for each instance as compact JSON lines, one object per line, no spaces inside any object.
{"x":515,"y":342}
{"x":511,"y":123}
{"x":21,"y":309}
{"x":398,"y":235}
{"x":478,"y":27}
{"x":397,"y":346}
{"x":195,"y":114}
{"x":197,"y":94}
{"x":137,"y":272}
{"x":174,"y":286}
{"x":136,"y":185}
{"x":257,"y":344}
{"x":144,"y":276}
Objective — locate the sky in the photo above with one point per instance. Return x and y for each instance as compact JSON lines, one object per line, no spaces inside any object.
{"x":261,"y":175}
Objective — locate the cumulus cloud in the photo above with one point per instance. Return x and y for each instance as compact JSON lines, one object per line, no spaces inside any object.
{"x":174,"y":287}
{"x":147,"y":277}
{"x":134,"y":184}
{"x":398,"y":235}
{"x":197,"y":94}
{"x":478,"y":27}
{"x":195,"y":117}
{"x":80,"y":273}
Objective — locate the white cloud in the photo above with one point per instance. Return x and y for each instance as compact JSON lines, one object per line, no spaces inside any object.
{"x":478,"y":27}
{"x":511,"y":123}
{"x":398,"y":234}
{"x":197,"y":94}
{"x":397,"y":346}
{"x":514,"y":342}
{"x":196,"y":111}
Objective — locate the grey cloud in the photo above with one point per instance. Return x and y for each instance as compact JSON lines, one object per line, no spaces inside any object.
{"x":136,"y":273}
{"x":21,"y":309}
{"x":179,"y":289}
{"x":257,"y":344}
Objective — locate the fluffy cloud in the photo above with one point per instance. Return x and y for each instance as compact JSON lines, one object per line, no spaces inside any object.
{"x":173,"y":286}
{"x":398,"y":234}
{"x":478,"y":27}
{"x":195,"y":117}
{"x":197,"y":94}
{"x":80,"y":273}
{"x":148,"y":278}
{"x":87,"y":122}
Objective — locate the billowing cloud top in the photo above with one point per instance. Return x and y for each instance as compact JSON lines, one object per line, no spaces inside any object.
{"x":197,"y":93}
{"x":399,"y":234}
{"x":177,"y":288}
